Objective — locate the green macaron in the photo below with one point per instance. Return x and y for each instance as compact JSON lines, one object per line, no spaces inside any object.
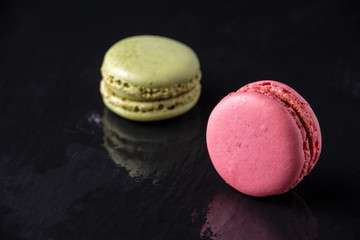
{"x":149,"y":78}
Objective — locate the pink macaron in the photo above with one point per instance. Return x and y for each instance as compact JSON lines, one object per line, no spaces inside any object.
{"x":263,"y":139}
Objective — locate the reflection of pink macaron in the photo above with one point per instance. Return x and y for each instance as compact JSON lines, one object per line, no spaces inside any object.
{"x":263,"y":139}
{"x":232,"y":215}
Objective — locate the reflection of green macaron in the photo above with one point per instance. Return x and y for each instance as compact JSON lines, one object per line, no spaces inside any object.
{"x":154,"y":150}
{"x":148,"y":78}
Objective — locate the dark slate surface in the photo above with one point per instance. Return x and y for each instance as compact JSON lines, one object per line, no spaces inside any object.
{"x":69,"y":169}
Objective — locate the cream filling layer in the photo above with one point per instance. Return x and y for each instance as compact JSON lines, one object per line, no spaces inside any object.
{"x":149,"y":106}
{"x":130,"y":91}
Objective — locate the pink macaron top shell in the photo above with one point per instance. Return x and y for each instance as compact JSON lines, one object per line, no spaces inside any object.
{"x":259,"y":144}
{"x":302,"y":113}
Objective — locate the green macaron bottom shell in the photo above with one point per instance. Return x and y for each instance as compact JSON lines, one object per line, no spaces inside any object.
{"x":150,"y":110}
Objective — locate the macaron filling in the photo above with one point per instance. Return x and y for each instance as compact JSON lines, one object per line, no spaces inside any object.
{"x":150,"y":106}
{"x":299,"y":109}
{"x":131,"y":91}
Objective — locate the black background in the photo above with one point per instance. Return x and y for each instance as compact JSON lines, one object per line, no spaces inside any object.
{"x":57,"y":178}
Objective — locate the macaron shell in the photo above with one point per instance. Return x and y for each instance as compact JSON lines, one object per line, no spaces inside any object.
{"x":315,"y":130}
{"x":291,"y":99}
{"x":255,"y":144}
{"x":151,"y":61}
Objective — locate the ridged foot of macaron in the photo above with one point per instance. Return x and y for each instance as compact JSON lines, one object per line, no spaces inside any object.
{"x":263,"y":139}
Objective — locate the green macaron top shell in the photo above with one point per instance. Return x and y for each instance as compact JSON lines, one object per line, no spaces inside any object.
{"x":151,"y":61}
